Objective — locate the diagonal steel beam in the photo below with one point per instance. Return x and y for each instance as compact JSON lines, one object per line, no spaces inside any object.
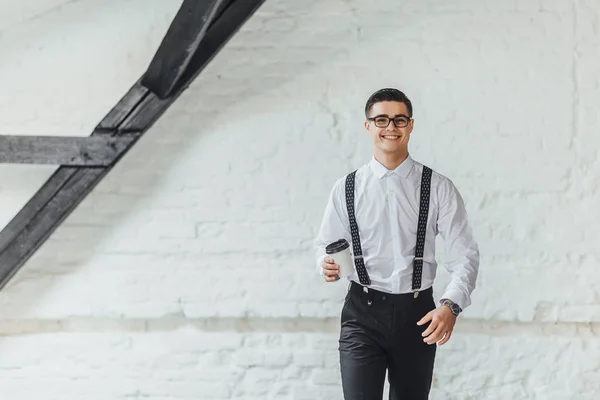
{"x":179,"y":45}
{"x":92,"y":151}
{"x":133,"y":115}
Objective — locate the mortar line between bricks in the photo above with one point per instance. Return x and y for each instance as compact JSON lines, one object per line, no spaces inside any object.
{"x":17,"y":327}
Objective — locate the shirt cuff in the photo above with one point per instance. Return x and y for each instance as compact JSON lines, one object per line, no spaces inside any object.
{"x":320,"y":261}
{"x":457,"y":297}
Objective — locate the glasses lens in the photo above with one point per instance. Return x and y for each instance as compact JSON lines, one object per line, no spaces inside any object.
{"x":401,"y":122}
{"x":382,"y":122}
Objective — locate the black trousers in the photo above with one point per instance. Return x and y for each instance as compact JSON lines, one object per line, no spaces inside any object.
{"x":379,"y":332}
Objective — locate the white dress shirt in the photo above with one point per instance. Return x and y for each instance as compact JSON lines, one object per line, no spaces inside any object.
{"x":387,"y":210}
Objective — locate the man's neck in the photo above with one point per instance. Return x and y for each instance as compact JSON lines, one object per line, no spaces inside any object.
{"x":391,"y":160}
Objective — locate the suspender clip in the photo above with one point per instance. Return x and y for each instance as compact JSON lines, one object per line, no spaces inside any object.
{"x":416,"y":294}
{"x":418,"y":258}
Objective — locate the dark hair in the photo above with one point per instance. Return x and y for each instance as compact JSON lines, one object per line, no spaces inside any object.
{"x":388,"y":94}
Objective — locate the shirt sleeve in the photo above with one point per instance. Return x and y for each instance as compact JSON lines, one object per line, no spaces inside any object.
{"x":461,"y":250}
{"x":335,"y":224}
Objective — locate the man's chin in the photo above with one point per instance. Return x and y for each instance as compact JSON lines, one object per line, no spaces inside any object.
{"x":391,"y":147}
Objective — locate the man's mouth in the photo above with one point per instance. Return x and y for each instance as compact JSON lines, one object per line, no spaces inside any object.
{"x":391,"y":137}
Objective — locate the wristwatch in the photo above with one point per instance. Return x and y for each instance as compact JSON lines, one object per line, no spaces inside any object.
{"x":452,"y":305}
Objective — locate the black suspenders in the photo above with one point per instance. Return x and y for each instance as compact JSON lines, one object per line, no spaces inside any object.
{"x":361,"y":270}
{"x":421,"y":229}
{"x":363,"y":276}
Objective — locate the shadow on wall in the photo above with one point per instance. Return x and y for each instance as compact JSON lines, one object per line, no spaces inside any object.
{"x":264,"y":70}
{"x":245,"y":117}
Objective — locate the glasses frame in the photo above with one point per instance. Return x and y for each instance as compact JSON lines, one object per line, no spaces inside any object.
{"x":372,"y":119}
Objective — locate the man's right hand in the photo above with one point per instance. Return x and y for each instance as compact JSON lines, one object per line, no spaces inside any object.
{"x":331,"y":270}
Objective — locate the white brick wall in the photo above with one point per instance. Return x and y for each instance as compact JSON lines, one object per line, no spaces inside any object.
{"x":188,"y":273}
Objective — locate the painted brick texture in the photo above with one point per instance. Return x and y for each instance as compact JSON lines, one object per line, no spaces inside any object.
{"x":189,"y":274}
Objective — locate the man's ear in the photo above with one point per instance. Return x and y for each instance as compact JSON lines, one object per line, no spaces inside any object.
{"x":367,"y":125}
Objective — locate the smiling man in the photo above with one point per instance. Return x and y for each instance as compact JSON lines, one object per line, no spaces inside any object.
{"x":391,"y":210}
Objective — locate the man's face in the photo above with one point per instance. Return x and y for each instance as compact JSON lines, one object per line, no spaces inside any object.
{"x":390,"y":139}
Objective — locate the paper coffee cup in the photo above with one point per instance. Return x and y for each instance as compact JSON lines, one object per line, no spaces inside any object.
{"x":339,"y":251}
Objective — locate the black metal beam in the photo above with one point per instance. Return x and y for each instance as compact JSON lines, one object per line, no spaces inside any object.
{"x":133,"y":115}
{"x":179,"y":45}
{"x":91,"y":151}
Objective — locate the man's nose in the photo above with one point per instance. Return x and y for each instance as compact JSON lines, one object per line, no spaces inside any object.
{"x":391,"y":126}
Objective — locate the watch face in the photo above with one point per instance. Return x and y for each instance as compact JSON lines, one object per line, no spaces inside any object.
{"x":453,"y":306}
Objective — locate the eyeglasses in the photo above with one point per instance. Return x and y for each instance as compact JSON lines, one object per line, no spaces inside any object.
{"x":383,"y":122}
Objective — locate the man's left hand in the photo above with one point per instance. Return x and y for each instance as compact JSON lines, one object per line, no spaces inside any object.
{"x":442,"y":323}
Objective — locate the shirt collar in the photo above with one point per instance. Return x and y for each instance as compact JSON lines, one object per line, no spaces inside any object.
{"x":402,"y":170}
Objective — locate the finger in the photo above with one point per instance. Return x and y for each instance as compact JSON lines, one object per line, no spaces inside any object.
{"x":426,"y":318}
{"x":331,"y":276}
{"x":331,"y":267}
{"x":446,"y":338}
{"x":331,"y":271}
{"x":436,"y":336}
{"x":329,"y":260}
{"x":430,"y":329}
{"x":435,"y":326}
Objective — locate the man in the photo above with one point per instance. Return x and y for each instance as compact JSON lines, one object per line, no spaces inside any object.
{"x":390,"y":211}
